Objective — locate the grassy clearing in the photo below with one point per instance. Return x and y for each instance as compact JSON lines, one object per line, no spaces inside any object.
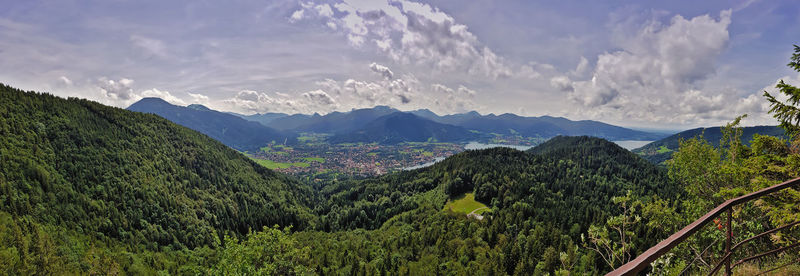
{"x":663,"y":149}
{"x":269,"y":164}
{"x":314,"y":159}
{"x":465,"y":204}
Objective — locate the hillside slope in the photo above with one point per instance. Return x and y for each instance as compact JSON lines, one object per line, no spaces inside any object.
{"x":659,"y":151}
{"x":541,"y":203}
{"x":229,"y":129}
{"x":131,"y":176}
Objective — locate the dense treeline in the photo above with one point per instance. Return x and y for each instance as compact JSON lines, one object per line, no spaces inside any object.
{"x":136,"y":185}
{"x":660,"y":151}
{"x":133,"y":177}
{"x":542,"y":202}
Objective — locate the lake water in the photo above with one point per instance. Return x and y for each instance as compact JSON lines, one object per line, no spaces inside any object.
{"x":424,"y":165}
{"x":632,"y":144}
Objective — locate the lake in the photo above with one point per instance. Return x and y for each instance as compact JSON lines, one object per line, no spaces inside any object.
{"x":631,"y":144}
{"x":420,"y":166}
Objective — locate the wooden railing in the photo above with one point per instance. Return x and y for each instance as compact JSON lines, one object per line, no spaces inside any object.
{"x":643,"y":261}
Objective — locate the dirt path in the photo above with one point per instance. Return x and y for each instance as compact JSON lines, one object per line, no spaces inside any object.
{"x":475,"y":215}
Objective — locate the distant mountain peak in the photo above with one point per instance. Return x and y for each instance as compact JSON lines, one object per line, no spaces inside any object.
{"x":151,"y":100}
{"x":229,"y":129}
{"x":199,"y":107}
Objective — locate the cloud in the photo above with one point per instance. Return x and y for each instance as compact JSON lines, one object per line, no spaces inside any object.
{"x":198,"y":98}
{"x":165,"y":95}
{"x":412,"y":33}
{"x":296,"y":16}
{"x":582,"y":68}
{"x":382,"y":70}
{"x":64,"y":81}
{"x":253,"y":101}
{"x":324,"y":10}
{"x":151,"y":46}
{"x":454,"y":100}
{"x":405,"y":92}
{"x":119,"y":90}
{"x":562,"y":83}
{"x":657,"y":72}
{"x":319,"y":97}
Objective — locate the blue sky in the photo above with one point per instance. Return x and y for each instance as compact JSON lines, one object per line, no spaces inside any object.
{"x":656,"y":64}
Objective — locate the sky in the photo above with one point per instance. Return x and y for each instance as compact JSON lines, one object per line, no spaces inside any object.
{"x":645,"y":64}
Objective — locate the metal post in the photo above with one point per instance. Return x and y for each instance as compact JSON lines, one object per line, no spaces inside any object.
{"x":728,"y":243}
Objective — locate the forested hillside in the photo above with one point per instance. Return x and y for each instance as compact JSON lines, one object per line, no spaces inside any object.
{"x":91,"y":189}
{"x":662,"y":150}
{"x":541,"y":204}
{"x":138,"y":178}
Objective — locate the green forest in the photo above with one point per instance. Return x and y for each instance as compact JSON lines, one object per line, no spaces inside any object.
{"x":91,"y":189}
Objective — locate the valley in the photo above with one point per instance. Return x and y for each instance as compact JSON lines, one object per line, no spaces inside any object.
{"x":399,"y":137}
{"x":314,"y":158}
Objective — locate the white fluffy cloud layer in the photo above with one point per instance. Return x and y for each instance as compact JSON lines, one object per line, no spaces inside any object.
{"x":404,"y":92}
{"x":658,"y":73}
{"x":122,"y":93}
{"x":306,"y":56}
{"x":409,"y":33}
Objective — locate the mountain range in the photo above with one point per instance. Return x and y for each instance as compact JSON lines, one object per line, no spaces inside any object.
{"x":401,"y":127}
{"x":229,"y":129}
{"x":342,"y":123}
{"x":544,"y":126}
{"x":380,"y":124}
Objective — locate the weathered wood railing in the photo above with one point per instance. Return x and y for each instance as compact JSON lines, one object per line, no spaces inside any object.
{"x":643,"y":261}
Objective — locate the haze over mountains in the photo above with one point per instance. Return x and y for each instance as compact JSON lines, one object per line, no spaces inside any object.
{"x":380,"y":124}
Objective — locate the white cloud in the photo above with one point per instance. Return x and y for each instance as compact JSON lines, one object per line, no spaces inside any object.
{"x":121,"y":93}
{"x":562,"y":83}
{"x":582,"y":68}
{"x":164,"y":95}
{"x":198,"y":98}
{"x":296,"y":16}
{"x":250,"y":101}
{"x":319,"y":97}
{"x":151,"y":46}
{"x":382,"y":70}
{"x":405,"y":92}
{"x":413,"y":33}
{"x":324,"y":10}
{"x":454,"y":100}
{"x":657,"y":73}
{"x":119,"y":90}
{"x":64,"y":81}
